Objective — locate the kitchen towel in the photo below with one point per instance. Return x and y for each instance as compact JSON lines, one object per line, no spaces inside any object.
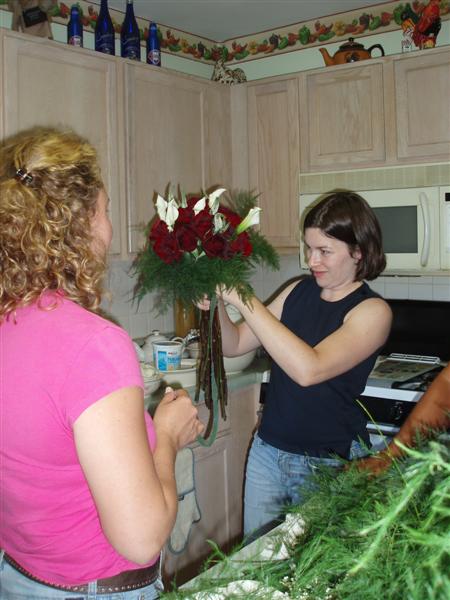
{"x":188,"y":509}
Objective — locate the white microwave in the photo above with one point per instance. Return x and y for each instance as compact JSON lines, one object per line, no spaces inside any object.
{"x":415,"y":224}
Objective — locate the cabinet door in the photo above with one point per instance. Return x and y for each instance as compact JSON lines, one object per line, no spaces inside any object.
{"x":217,"y":120}
{"x":274,"y":162}
{"x":342,"y":118}
{"x":219,"y":480}
{"x":49,"y":84}
{"x":166,"y":144}
{"x":422,"y":89}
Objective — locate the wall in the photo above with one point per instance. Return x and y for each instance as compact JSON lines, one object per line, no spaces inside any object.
{"x":311,"y":58}
{"x":266,"y":66}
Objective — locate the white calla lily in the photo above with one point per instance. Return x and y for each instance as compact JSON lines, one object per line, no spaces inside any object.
{"x":171,"y":214}
{"x":199,"y":205}
{"x":251,"y":219}
{"x":167,"y":211}
{"x":213,"y":200}
{"x":161,"y":207}
{"x":220,"y":223}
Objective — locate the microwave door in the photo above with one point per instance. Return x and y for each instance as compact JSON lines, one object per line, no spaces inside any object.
{"x":409,"y":220}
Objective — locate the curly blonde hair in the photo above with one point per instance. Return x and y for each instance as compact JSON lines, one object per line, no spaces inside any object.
{"x":45,"y":222}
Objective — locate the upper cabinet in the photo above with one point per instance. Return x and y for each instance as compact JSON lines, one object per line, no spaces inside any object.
{"x":342,"y":117}
{"x":273,"y":157}
{"x":177,"y":132}
{"x":51,"y":84}
{"x":152,"y":128}
{"x":422,"y":103}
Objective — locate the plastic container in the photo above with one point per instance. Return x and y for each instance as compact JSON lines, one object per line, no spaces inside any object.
{"x":168,"y":355}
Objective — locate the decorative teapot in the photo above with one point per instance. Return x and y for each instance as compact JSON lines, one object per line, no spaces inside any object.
{"x":147,"y":348}
{"x":349,"y":52}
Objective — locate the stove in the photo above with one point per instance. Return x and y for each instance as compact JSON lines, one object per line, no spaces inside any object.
{"x":395,"y":385}
{"x":418,"y":348}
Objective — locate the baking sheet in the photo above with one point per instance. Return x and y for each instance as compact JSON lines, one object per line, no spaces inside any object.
{"x":399,"y":370}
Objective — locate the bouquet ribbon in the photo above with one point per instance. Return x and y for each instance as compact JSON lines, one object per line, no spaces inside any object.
{"x":212,"y":379}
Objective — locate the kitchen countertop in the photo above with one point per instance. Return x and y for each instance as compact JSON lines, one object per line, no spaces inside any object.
{"x":253,"y":374}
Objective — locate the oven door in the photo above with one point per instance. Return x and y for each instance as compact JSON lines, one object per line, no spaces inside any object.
{"x":387,"y":408}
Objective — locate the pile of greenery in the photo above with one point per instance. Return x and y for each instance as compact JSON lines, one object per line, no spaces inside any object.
{"x":366,"y":537}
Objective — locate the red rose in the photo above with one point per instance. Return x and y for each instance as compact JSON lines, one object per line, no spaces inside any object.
{"x":186,"y":237}
{"x":158,"y":230}
{"x":167,"y":248}
{"x":215,"y":246}
{"x":203,"y":223}
{"x":242,"y":244}
{"x":233,"y":218}
{"x":164,"y":242}
{"x":185,"y":215}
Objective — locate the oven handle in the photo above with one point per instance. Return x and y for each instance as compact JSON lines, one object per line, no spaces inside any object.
{"x":424,"y":205}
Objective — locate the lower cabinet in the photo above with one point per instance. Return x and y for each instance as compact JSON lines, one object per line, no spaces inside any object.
{"x":219,"y":479}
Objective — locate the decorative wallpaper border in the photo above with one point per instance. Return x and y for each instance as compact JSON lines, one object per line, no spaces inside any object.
{"x":357,"y":23}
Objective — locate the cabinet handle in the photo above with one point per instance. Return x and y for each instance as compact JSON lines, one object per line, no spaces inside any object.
{"x":423,"y":198}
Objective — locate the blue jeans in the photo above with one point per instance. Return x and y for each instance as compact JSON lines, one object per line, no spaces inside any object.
{"x":275,"y":479}
{"x":15,"y":586}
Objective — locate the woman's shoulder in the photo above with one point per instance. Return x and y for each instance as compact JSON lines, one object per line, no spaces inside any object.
{"x":73,"y":322}
{"x":370,"y":305}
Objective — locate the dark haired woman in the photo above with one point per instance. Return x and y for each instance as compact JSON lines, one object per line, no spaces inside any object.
{"x":323,"y":334}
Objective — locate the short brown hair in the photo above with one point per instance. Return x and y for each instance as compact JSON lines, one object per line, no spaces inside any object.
{"x":45,"y":218}
{"x":346,"y":216}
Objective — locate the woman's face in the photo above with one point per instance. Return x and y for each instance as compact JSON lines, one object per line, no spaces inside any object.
{"x":329,"y":260}
{"x":101,"y":227}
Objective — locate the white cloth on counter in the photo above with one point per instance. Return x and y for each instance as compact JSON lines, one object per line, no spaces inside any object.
{"x":188,"y":509}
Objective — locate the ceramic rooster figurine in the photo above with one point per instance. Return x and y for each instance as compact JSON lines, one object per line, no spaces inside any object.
{"x":428,"y":26}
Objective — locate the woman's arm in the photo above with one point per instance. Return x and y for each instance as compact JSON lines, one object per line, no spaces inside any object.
{"x":238,"y":339}
{"x":364,"y":330}
{"x":431,"y":413}
{"x":134,"y":489}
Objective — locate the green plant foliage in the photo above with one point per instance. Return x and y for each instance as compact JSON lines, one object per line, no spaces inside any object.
{"x":367,"y":538}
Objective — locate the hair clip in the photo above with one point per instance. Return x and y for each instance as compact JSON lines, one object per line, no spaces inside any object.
{"x":23,"y":176}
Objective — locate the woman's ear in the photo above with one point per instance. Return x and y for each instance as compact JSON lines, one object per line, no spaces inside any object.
{"x":356,"y":254}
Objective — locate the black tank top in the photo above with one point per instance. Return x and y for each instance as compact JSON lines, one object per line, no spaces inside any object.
{"x":321,"y":419}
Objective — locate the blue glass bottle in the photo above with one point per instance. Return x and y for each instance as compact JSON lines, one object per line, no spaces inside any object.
{"x":130,"y":41}
{"x":75,"y":28}
{"x":153,"y":50}
{"x":104,"y":31}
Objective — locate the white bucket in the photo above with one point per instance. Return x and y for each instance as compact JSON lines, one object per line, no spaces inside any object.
{"x":168,"y":355}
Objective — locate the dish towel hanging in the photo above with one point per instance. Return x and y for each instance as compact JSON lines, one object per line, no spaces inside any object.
{"x":188,"y":509}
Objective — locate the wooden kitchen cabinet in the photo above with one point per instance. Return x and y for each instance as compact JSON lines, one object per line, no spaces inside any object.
{"x":177,"y":135}
{"x":219,"y":477}
{"x":342,"y":118}
{"x":274,"y":158}
{"x":422,"y":103}
{"x":50,"y":84}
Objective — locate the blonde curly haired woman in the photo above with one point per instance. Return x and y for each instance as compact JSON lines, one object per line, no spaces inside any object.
{"x":88,"y":488}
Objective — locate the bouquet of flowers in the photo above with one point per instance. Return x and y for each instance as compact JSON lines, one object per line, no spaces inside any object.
{"x":194,"y":246}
